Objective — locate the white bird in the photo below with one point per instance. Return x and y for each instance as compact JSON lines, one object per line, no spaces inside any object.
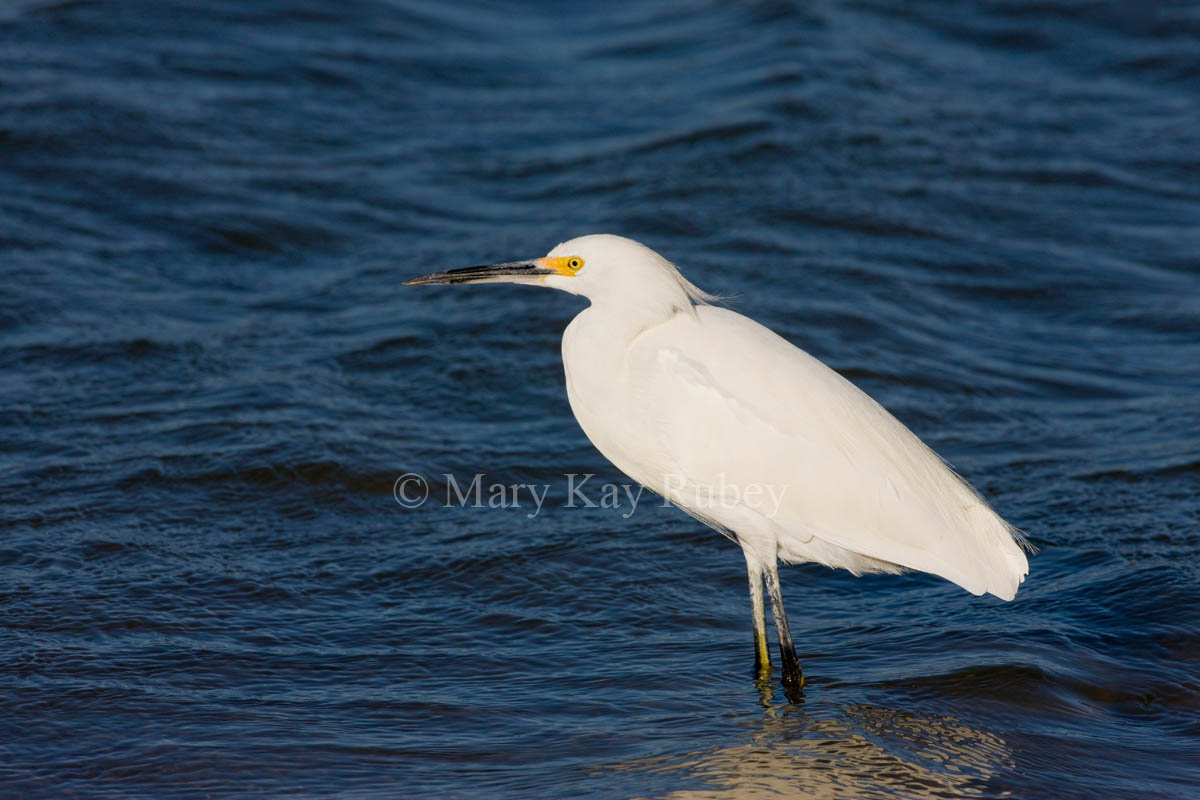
{"x":754,"y":436}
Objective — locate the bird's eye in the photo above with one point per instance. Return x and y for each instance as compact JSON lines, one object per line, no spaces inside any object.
{"x":574,"y":263}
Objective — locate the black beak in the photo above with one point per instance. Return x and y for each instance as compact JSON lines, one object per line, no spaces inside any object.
{"x":497,"y":273}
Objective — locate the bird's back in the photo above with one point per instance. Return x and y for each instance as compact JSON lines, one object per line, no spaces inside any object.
{"x":712,"y":398}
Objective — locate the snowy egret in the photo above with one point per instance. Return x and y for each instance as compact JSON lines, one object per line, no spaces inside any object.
{"x":754,"y":436}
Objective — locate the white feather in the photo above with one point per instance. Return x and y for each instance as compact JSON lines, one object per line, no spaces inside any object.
{"x":682,"y":396}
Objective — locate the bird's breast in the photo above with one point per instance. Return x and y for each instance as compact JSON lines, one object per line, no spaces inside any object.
{"x":603,"y":398}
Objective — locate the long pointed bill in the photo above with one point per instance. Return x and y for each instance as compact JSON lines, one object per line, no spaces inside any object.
{"x":510,"y":272}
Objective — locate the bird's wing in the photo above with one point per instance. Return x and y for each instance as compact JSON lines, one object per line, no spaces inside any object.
{"x":731,"y":404}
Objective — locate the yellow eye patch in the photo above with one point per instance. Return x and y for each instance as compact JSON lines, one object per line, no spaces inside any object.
{"x":564,"y":265}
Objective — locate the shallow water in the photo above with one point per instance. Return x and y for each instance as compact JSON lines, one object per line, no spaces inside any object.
{"x":984,"y":214}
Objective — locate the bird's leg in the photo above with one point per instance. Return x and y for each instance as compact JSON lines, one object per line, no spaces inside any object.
{"x":792,"y":676}
{"x":762,"y":655}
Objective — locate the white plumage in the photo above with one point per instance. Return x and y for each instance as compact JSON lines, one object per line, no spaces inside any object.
{"x":701,"y":404}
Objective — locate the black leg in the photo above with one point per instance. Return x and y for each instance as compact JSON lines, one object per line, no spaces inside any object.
{"x":792,"y":675}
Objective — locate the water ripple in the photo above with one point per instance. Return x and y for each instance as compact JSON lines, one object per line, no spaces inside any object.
{"x":211,"y":376}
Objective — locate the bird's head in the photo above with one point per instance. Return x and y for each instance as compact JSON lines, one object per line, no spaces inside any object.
{"x":601,"y":267}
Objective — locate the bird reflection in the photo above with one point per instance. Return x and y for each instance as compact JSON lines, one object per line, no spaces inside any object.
{"x":862,"y":751}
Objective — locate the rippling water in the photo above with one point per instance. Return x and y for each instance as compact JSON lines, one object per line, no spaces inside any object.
{"x":985,"y":214}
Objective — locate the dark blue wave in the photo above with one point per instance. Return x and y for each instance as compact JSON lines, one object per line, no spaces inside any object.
{"x":985,"y":214}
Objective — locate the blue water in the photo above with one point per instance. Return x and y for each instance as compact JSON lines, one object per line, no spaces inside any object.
{"x":985,"y":214}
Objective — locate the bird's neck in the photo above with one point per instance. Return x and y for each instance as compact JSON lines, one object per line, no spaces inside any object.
{"x":624,"y":316}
